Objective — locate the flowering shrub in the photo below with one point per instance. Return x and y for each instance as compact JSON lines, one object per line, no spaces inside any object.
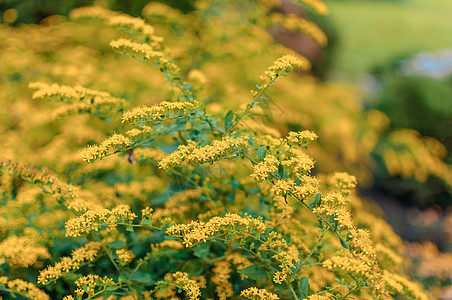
{"x":179,"y":198}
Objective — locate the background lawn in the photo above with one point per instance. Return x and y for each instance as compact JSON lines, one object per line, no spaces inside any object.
{"x":375,"y":32}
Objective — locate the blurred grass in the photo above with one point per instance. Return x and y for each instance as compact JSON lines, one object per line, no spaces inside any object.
{"x":376,"y":32}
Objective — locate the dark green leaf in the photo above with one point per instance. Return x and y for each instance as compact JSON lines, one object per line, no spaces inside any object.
{"x":228,"y":120}
{"x":261,"y":152}
{"x":202,"y":250}
{"x":304,"y":287}
{"x":146,"y":222}
{"x":117,"y":244}
{"x":317,"y":200}
{"x":281,"y":171}
{"x":142,"y":277}
{"x":343,"y":242}
{"x":255,"y":272}
{"x":123,"y":277}
{"x":193,"y":268}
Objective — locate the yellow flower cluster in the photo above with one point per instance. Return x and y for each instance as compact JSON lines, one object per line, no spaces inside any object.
{"x":239,"y":261}
{"x":263,"y":169}
{"x":349,"y":264}
{"x":431,"y":262}
{"x":306,"y":187}
{"x":412,"y":154}
{"x":293,"y":22}
{"x":162,"y":11}
{"x":222,"y":271}
{"x":116,"y":142}
{"x":298,"y":162}
{"x":88,"y":284}
{"x":124,"y":256}
{"x":188,"y":285}
{"x":361,"y":244}
{"x":282,"y":65}
{"x":190,"y":153}
{"x":86,"y":100}
{"x":146,"y":212}
{"x":286,"y":255}
{"x":24,"y":288}
{"x":158,"y":112}
{"x":385,"y":254}
{"x":92,"y":220}
{"x":398,"y":284}
{"x":363,"y":262}
{"x":258,"y":294}
{"x":84,"y":254}
{"x":168,"y":244}
{"x":92,"y":12}
{"x":197,"y":77}
{"x":146,"y":53}
{"x":63,"y":192}
{"x":344,"y":182}
{"x":122,"y":21}
{"x":300,"y":138}
{"x":148,"y":153}
{"x":22,"y":251}
{"x":66,"y":93}
{"x":234,"y":225}
{"x":134,"y":25}
{"x":335,"y":204}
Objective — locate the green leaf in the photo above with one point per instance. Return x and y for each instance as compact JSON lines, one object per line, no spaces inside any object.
{"x":343,"y":242}
{"x":143,"y":277}
{"x":261,"y":152}
{"x":317,"y":200}
{"x":123,"y":277}
{"x":146,"y":222}
{"x":193,"y":268}
{"x":304,"y":287}
{"x":187,"y":86}
{"x":117,"y":244}
{"x":281,"y":171}
{"x":129,"y":228}
{"x":228,"y":120}
{"x":255,"y":272}
{"x":202,"y":250}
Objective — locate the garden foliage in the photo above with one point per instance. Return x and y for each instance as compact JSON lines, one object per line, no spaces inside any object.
{"x":177,"y":183}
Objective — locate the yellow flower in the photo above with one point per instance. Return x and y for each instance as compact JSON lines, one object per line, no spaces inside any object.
{"x":116,"y":142}
{"x":24,"y":288}
{"x":197,"y":232}
{"x":86,"y":253}
{"x":188,"y":285}
{"x":93,"y":220}
{"x":221,"y":271}
{"x":158,"y":112}
{"x":258,"y":294}
{"x":190,"y":153}
{"x":263,"y":169}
